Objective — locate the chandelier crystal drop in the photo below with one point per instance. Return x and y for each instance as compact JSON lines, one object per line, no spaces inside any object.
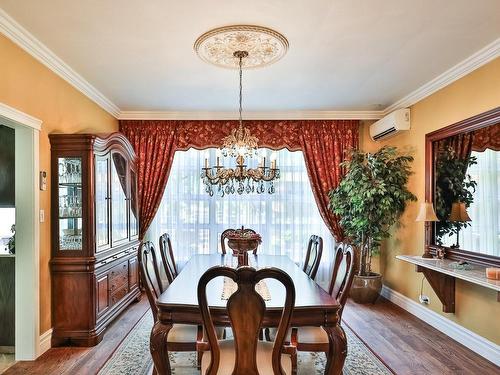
{"x":240,"y":144}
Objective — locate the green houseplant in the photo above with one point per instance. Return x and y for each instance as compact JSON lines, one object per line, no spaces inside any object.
{"x":369,"y":200}
{"x":453,"y":184}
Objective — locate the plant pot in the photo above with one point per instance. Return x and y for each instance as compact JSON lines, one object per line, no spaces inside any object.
{"x":366,"y":289}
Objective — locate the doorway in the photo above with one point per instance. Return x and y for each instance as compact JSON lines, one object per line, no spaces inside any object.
{"x":26,"y":258}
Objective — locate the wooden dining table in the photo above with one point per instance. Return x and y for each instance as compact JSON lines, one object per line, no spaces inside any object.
{"x":313,"y":306}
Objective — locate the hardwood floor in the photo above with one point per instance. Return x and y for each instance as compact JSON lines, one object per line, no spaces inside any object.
{"x":404,"y":343}
{"x":408,"y":345}
{"x":58,"y":361}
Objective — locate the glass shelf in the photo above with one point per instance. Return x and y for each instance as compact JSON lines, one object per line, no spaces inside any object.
{"x":70,"y":203}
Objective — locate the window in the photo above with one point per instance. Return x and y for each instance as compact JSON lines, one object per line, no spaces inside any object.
{"x":483,"y":234}
{"x":285,"y":219}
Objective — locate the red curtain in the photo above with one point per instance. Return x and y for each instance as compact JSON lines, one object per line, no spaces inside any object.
{"x":488,"y":137}
{"x":154,"y":144}
{"x":324,"y":143}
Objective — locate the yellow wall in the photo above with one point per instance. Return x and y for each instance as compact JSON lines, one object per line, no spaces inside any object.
{"x":476,"y":307}
{"x":30,"y":87}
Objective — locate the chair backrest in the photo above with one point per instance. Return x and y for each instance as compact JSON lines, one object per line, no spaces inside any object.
{"x":224,"y":234}
{"x":313,"y":256}
{"x":167,"y":257}
{"x":246,"y":309}
{"x":343,"y":274}
{"x":150,"y":274}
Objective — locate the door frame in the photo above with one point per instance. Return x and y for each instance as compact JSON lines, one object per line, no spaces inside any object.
{"x":27,"y":259}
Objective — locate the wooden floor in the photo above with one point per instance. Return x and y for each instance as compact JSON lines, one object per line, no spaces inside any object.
{"x":403,"y":342}
{"x":73,"y":361}
{"x":407,"y":345}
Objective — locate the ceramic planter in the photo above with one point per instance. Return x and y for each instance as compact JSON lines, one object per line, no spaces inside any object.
{"x":366,"y":289}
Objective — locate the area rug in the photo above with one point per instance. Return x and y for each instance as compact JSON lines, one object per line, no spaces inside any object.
{"x":133,"y":357}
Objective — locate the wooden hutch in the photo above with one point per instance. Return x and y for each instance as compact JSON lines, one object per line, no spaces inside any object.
{"x":94,"y":234}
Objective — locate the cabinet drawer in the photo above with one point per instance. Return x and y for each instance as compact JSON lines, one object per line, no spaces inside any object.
{"x":102,"y":294}
{"x":118,"y":294}
{"x":133,"y":273}
{"x":118,"y":275}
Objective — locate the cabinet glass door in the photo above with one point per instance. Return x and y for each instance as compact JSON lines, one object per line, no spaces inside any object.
{"x":134,"y":228}
{"x":70,"y":203}
{"x":119,"y":207}
{"x":102,"y":202}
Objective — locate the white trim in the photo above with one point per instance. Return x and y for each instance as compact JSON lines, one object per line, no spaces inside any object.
{"x":471,"y":340}
{"x":27,"y":41}
{"x":263,"y":115}
{"x":20,"y":117}
{"x":45,"y":341}
{"x":471,"y":63}
{"x":27,"y":265}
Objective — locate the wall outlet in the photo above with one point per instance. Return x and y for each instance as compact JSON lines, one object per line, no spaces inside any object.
{"x":42,"y":216}
{"x":424,"y":299}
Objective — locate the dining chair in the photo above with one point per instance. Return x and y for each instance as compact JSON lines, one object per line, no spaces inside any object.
{"x":313,"y":256}
{"x":245,"y":354}
{"x":223,"y":238}
{"x":315,"y":339}
{"x":167,"y":257}
{"x":182,"y":337}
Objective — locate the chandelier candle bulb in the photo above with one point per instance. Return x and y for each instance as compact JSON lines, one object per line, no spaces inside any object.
{"x":206,"y":163}
{"x":217,"y":162}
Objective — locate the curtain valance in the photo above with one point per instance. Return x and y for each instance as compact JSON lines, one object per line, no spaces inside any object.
{"x":323,"y":142}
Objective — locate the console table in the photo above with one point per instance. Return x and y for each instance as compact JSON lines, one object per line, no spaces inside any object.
{"x":441,"y":277}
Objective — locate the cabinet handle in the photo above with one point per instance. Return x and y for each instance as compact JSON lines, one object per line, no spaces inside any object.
{"x":115,"y":256}
{"x":107,"y":198}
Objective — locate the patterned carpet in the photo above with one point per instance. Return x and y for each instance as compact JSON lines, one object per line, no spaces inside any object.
{"x":132,"y":357}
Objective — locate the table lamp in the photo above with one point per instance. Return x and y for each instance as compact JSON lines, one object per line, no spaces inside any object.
{"x":458,"y":214}
{"x":427,"y":215}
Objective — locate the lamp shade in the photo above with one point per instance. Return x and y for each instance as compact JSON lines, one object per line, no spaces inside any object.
{"x":459,"y":212}
{"x":426,"y":212}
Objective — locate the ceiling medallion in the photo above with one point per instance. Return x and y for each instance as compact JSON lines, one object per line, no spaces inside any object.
{"x":264,"y":46}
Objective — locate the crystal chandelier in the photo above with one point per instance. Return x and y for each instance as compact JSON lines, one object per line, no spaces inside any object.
{"x":240,"y":144}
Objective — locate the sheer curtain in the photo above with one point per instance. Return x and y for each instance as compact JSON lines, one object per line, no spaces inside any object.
{"x":484,"y":233}
{"x":284,"y":219}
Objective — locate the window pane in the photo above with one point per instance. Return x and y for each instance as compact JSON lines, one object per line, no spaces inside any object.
{"x":285,"y":219}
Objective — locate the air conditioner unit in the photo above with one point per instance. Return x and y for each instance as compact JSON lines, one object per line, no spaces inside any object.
{"x":390,"y":125}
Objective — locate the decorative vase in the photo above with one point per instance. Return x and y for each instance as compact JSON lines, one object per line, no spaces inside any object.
{"x":366,"y":289}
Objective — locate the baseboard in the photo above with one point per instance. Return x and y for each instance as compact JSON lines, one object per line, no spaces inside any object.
{"x":467,"y":338}
{"x":45,"y":341}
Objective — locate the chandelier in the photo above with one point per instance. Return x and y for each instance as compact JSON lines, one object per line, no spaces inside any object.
{"x":240,"y":144}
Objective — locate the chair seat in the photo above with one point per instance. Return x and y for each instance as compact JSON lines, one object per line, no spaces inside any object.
{"x":264,"y":359}
{"x":183,"y":333}
{"x":188,"y":333}
{"x":305,"y":335}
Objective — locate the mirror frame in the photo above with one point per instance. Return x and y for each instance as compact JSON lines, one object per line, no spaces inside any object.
{"x":482,"y":120}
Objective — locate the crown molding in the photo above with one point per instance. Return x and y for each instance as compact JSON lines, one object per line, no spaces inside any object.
{"x":471,"y":63}
{"x":261,"y":115}
{"x":24,"y":39}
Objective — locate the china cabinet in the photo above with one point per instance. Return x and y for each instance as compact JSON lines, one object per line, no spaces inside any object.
{"x":94,"y":265}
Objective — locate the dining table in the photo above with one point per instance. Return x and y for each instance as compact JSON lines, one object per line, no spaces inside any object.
{"x":313,"y":305}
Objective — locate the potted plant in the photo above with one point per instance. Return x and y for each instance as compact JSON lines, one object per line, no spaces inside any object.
{"x":369,"y":200}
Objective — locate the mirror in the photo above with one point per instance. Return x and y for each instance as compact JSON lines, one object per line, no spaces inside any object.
{"x":467,"y":190}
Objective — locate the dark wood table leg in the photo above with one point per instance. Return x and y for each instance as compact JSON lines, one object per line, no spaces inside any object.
{"x":158,"y":348}
{"x":338,"y":350}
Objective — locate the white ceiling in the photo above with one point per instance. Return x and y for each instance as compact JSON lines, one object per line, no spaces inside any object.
{"x":344,"y":55}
